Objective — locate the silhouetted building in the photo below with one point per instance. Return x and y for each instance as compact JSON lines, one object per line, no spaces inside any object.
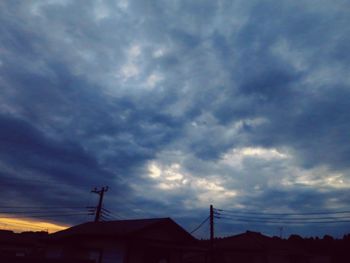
{"x":163,"y":241}
{"x":257,"y":248}
{"x":128,"y":241}
{"x":21,"y":247}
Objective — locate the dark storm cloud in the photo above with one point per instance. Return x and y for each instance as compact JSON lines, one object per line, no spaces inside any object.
{"x":317,"y":132}
{"x":38,"y":166}
{"x":103,"y":89}
{"x":61,"y":129}
{"x":20,"y":135}
{"x":309,"y":117}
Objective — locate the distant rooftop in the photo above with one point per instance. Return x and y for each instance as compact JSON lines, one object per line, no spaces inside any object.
{"x":119,"y":228}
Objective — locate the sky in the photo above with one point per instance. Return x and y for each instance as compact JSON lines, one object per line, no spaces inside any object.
{"x":176,"y":105}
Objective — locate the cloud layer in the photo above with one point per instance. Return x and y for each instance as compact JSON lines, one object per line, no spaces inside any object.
{"x":176,"y":105}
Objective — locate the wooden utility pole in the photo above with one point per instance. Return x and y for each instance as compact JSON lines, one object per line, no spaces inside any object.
{"x":211,"y":223}
{"x":99,"y":206}
{"x":211,"y":233}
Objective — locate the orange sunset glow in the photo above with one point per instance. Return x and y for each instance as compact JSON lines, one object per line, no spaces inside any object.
{"x":21,"y":225}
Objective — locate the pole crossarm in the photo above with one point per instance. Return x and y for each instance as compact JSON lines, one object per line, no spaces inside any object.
{"x":99,"y":206}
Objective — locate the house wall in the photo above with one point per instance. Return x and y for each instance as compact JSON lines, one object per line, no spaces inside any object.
{"x":54,"y":252}
{"x":135,"y":255}
{"x":108,"y":251}
{"x":320,"y":259}
{"x":176,"y":257}
{"x":241,"y":258}
{"x":279,"y":259}
{"x":153,"y":255}
{"x":113,"y":255}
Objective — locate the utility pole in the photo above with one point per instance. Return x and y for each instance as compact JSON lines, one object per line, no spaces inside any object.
{"x":211,"y":224}
{"x":211,"y":233}
{"x":99,"y":206}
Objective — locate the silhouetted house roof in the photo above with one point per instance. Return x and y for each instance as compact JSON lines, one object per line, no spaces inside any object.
{"x":126,"y":229}
{"x":142,"y":240}
{"x":250,"y":241}
{"x":255,"y":247}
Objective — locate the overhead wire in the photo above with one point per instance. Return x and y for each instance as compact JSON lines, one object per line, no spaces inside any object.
{"x":200,"y":225}
{"x":288,"y":218}
{"x":37,"y":212}
{"x":107,"y":213}
{"x":285,"y":222}
{"x":287,"y":214}
{"x":331,"y":217}
{"x":119,"y":217}
{"x":44,"y":215}
{"x":39,"y":207}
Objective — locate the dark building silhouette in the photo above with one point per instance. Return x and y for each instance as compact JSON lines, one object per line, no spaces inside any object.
{"x":255,"y":247}
{"x":23,"y":247}
{"x":128,"y":241}
{"x":161,"y":240}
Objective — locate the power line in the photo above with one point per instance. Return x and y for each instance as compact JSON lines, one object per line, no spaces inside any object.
{"x":283,"y":221}
{"x":203,"y":232}
{"x":109,"y":215}
{"x":200,"y":225}
{"x":281,"y":214}
{"x":45,"y":215}
{"x":105,"y":210}
{"x":106,"y":214}
{"x":112,"y":214}
{"x":39,"y":207}
{"x":36,"y":212}
{"x":330,"y":217}
{"x":104,"y":218}
{"x":288,"y":218}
